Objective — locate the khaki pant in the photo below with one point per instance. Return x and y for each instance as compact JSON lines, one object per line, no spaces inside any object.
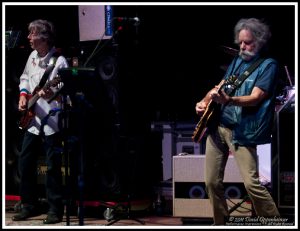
{"x":217,"y":145}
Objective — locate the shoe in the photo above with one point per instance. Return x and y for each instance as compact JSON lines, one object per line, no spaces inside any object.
{"x":52,"y":219}
{"x":24,"y":214}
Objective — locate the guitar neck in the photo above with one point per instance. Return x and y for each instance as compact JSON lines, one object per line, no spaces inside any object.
{"x":32,"y":101}
{"x":36,"y":96}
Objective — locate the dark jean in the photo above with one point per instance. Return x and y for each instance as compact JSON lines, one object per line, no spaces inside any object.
{"x":28,"y":171}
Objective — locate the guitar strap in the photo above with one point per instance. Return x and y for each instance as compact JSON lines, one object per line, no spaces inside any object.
{"x":208,"y":120}
{"x":48,"y":70}
{"x":243,"y":76}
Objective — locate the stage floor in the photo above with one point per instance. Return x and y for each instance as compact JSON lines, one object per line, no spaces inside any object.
{"x":149,"y":220}
{"x":88,"y":221}
{"x":95,"y":217}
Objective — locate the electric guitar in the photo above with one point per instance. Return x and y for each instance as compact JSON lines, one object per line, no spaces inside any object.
{"x":28,"y":114}
{"x":209,"y":113}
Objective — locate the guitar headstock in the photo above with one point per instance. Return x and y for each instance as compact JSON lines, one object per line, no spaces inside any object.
{"x":229,"y":85}
{"x":231,"y":79}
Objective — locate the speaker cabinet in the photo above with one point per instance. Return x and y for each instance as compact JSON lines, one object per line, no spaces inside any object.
{"x":283,"y":157}
{"x":189,"y":195}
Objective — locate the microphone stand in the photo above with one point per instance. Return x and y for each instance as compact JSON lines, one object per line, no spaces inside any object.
{"x":66,"y":107}
{"x":81,"y":102}
{"x":65,"y":111}
{"x":237,"y":205}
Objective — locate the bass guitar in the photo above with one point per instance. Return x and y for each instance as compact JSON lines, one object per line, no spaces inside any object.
{"x":27,"y":115}
{"x":210,"y":111}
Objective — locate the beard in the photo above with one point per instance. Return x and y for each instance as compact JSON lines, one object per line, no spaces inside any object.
{"x":247,"y":55}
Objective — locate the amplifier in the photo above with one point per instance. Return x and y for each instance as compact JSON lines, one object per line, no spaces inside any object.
{"x":189,"y":195}
{"x":283,"y":157}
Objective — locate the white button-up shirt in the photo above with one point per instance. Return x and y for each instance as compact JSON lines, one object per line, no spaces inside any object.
{"x":32,"y":74}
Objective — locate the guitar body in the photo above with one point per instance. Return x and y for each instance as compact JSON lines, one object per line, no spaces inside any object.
{"x":25,"y":119}
{"x":206,"y":118}
{"x":209,"y":115}
{"x":28,"y":114}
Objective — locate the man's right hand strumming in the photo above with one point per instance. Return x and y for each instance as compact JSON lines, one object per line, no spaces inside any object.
{"x":22,"y":103}
{"x":201,"y":107}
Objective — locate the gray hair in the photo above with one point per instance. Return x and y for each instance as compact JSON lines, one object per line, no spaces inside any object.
{"x":260,"y":31}
{"x":44,"y":29}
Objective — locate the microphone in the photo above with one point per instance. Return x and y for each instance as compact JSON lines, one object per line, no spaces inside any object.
{"x":135,"y":20}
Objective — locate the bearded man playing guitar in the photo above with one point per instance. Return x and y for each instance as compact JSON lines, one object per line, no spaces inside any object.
{"x":42,"y":64}
{"x":244,"y":121}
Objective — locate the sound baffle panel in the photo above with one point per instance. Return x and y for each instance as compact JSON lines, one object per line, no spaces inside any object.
{"x":92,"y":21}
{"x":189,"y":195}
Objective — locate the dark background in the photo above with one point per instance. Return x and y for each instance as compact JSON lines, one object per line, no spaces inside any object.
{"x":165,"y":65}
{"x":175,"y":53}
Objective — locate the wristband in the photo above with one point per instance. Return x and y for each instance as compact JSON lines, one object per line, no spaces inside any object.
{"x":23,"y":94}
